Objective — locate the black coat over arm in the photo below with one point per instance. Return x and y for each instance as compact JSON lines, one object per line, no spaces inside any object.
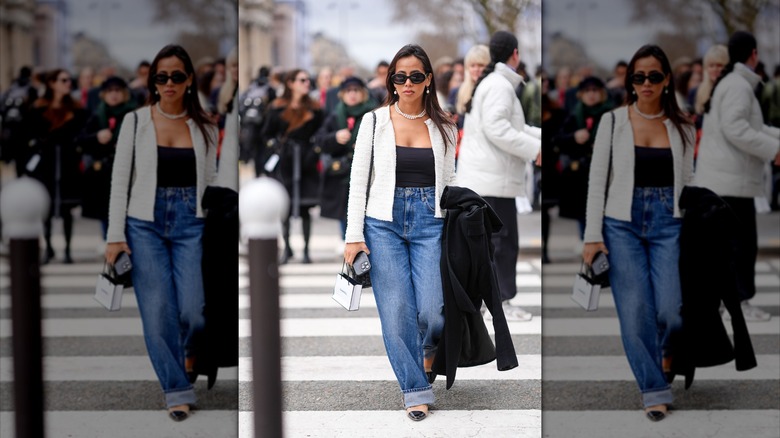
{"x":468,"y":278}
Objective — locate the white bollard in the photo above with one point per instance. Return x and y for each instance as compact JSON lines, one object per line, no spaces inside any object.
{"x":262,"y":205}
{"x":24,"y":203}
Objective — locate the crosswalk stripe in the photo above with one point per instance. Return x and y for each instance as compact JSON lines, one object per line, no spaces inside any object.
{"x":96,"y":368}
{"x":373,"y":368}
{"x":521,"y":423}
{"x":607,"y":368}
{"x":566,"y":281}
{"x":716,"y":423}
{"x":609,"y":326}
{"x":606,"y":301}
{"x":131,"y":424}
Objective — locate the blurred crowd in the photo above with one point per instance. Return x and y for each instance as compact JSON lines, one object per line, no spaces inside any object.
{"x":60,"y":127}
{"x":574,"y":99}
{"x":300,"y":128}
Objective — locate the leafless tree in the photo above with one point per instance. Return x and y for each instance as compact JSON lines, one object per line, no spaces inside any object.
{"x":209,"y":23}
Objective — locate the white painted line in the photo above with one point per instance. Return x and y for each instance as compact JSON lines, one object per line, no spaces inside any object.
{"x":97,"y":368}
{"x":610,"y":327}
{"x":679,"y":423}
{"x":762,"y":280}
{"x":615,"y":368}
{"x":606,"y":301}
{"x":327,"y":281}
{"x":312,"y":327}
{"x":131,"y":424}
{"x":374,"y":368}
{"x":290,"y":327}
{"x":74,"y":301}
{"x":383,"y":424}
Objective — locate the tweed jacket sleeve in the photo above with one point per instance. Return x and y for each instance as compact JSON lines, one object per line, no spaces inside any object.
{"x":120,"y":180}
{"x":597,"y":182}
{"x":358,"y":180}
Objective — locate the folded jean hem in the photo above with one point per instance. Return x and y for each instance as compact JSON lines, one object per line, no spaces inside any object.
{"x":657,"y":397}
{"x":418,"y":396}
{"x":177,"y":397}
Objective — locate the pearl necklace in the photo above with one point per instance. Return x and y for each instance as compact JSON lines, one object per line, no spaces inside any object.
{"x":170,"y":116}
{"x":648,"y":116}
{"x":408,"y":116}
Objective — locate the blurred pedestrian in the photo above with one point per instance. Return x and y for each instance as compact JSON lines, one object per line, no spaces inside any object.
{"x":53,"y":156}
{"x":165,"y":158}
{"x":253,"y":104}
{"x":291,"y":123}
{"x":412,"y":142}
{"x":715,"y":59}
{"x":575,"y":140}
{"x":376,"y":86}
{"x":336,"y":139}
{"x":14,"y":105}
{"x":616,"y":85}
{"x":477,"y":58}
{"x":642,"y":158}
{"x":553,"y":117}
{"x":98,"y":142}
{"x":735,"y":147}
{"x":496,"y":145}
{"x":138,"y":84}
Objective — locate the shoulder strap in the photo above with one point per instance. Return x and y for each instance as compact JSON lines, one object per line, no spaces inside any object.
{"x":371,"y":164}
{"x":132,"y":160}
{"x":609,"y":167}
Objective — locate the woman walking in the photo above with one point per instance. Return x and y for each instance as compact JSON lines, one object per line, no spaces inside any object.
{"x":53,"y":157}
{"x":292,"y":121}
{"x":336,"y":138}
{"x":408,"y":147}
{"x":99,"y":144}
{"x":165,"y":158}
{"x":642,"y":158}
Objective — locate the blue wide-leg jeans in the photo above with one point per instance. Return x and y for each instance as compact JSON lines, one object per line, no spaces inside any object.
{"x":168,"y":284}
{"x":406,"y":279}
{"x":645,"y":280}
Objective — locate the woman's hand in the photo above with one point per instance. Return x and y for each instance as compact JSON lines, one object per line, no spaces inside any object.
{"x":589,"y":251}
{"x":113,"y":250}
{"x":581,"y":136}
{"x":351,"y":250}
{"x":104,"y":136}
{"x":343,"y":136}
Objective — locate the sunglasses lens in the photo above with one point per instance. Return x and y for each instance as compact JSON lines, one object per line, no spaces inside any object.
{"x":417,"y":78}
{"x":178,"y":77}
{"x":160,"y":79}
{"x":638,"y":79}
{"x":656,"y":78}
{"x":398,"y":78}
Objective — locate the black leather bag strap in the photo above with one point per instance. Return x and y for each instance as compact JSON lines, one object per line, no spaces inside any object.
{"x":609,"y":167}
{"x":371,"y":164}
{"x":132,"y":160}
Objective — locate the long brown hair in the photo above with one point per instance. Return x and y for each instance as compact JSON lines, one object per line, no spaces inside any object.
{"x":191,"y":101}
{"x":56,"y":116}
{"x":431,"y":103}
{"x":295,"y":117}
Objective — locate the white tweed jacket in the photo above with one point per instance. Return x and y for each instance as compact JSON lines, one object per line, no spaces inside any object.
{"x":144,"y":180}
{"x":621,"y":184}
{"x":382,"y":191}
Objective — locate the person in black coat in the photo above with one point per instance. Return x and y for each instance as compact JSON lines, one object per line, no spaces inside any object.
{"x":53,"y":157}
{"x":336,"y":139}
{"x":98,"y":142}
{"x":291,"y":123}
{"x":469,"y":278}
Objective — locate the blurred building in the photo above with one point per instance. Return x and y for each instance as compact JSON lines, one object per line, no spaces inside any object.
{"x":291,"y":44}
{"x":255,"y":38}
{"x":52,"y":39}
{"x":17,"y":20}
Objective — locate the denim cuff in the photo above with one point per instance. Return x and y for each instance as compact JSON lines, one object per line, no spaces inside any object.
{"x":657,"y":397}
{"x":418,"y":396}
{"x":177,"y":397}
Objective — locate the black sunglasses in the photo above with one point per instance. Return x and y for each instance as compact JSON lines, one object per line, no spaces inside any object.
{"x":654,"y":76}
{"x":400,"y":78}
{"x":177,"y":77}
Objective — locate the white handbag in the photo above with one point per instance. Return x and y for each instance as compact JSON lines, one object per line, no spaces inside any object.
{"x":347,"y":289}
{"x":586,"y":290}
{"x":108,"y":291}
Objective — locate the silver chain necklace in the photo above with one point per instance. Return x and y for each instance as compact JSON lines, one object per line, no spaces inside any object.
{"x":648,"y":116}
{"x":170,"y":116}
{"x":408,"y":116}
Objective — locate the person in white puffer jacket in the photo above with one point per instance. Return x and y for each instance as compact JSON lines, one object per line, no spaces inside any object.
{"x":735,"y":146}
{"x":494,"y":151}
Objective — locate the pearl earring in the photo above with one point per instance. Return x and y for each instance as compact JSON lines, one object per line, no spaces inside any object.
{"x":395,"y":92}
{"x":427,"y":90}
{"x":156,"y":93}
{"x":666,"y":90}
{"x":633,"y":92}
